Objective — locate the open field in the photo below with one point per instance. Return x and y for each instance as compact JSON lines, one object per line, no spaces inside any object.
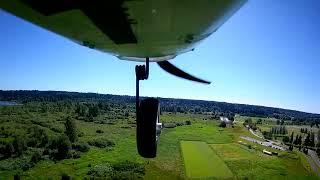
{"x":233,"y":151}
{"x":201,"y":162}
{"x":253,"y":164}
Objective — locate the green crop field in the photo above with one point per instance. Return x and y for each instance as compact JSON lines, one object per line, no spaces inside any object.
{"x":201,"y":162}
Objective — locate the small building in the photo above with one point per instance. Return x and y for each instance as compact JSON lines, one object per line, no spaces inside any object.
{"x":225,"y":119}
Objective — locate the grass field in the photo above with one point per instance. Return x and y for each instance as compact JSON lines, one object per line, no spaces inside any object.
{"x":233,"y":151}
{"x":253,"y":164}
{"x":201,"y":162}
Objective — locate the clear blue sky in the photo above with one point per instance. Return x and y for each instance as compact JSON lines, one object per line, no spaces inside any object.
{"x":266,"y":54}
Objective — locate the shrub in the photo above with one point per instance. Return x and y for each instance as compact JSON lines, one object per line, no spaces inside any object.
{"x":99,"y":131}
{"x":128,"y":170}
{"x":56,"y":129}
{"x":305,"y":150}
{"x":102,"y":171}
{"x":188,"y":122}
{"x":223,"y":124}
{"x":101,"y":143}
{"x":125,"y":127}
{"x":7,"y":150}
{"x":46,"y":152}
{"x":38,"y":137}
{"x":89,"y":119}
{"x":35,"y":158}
{"x":169,"y":125}
{"x":65,"y":176}
{"x":75,"y":155}
{"x":82,"y":147}
{"x":19,"y":145}
{"x":129,"y":166}
{"x":26,"y":165}
{"x":179,"y":124}
{"x":16,"y":177}
{"x":80,"y":134}
{"x":63,"y":147}
{"x":32,"y":142}
{"x":13,"y":164}
{"x":120,"y":170}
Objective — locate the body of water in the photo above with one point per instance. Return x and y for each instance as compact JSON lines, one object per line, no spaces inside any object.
{"x":8,"y":103}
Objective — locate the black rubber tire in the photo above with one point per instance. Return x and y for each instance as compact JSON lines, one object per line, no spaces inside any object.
{"x":147,"y":119}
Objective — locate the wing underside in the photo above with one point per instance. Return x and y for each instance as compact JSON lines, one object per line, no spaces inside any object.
{"x":128,"y":28}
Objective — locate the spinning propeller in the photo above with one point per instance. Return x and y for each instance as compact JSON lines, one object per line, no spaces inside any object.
{"x":170,"y":68}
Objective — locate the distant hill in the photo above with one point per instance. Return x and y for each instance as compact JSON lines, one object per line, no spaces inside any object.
{"x":167,"y":104}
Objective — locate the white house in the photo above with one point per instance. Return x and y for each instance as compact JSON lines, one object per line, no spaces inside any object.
{"x":225,"y":119}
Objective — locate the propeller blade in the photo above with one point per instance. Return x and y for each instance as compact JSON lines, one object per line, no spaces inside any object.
{"x":170,"y":68}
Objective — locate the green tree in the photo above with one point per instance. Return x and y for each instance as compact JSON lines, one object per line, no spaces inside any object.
{"x":248,"y":121}
{"x":8,"y":149}
{"x":307,"y":140}
{"x":19,"y":145}
{"x":93,"y":111}
{"x":286,"y":139}
{"x":63,"y":147}
{"x":290,"y":147}
{"x":312,"y":139}
{"x":296,"y":141}
{"x":71,"y":129}
{"x":81,"y":110}
{"x":291,"y":138}
{"x":300,"y":140}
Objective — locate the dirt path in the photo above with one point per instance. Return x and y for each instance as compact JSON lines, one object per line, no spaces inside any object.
{"x":270,"y":143}
{"x":315,"y":157}
{"x":255,"y":134}
{"x":313,"y":165}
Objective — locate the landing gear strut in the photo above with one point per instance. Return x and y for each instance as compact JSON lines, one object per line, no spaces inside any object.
{"x":147,"y":114}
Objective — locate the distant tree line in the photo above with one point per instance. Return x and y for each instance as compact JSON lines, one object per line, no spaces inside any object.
{"x":167,"y":104}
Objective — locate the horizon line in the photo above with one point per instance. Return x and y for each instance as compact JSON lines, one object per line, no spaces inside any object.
{"x":162,"y":98}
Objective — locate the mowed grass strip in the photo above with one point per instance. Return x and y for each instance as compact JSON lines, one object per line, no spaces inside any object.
{"x":201,"y":162}
{"x":233,"y":151}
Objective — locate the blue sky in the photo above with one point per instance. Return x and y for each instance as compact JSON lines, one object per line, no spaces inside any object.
{"x":267,"y":54}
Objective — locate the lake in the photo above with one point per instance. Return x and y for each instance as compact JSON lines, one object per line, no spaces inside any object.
{"x":8,"y":103}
